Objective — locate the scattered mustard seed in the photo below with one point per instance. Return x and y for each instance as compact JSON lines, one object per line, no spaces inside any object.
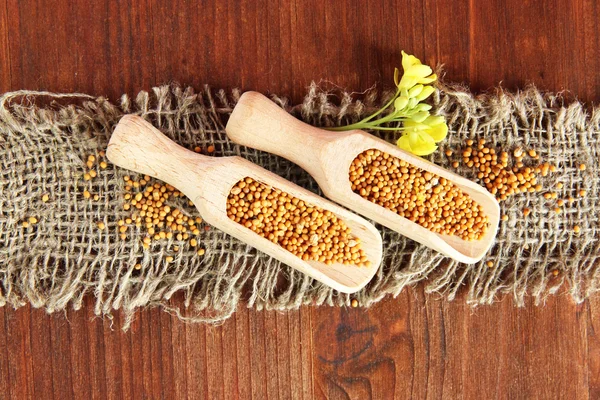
{"x":45,"y":198}
{"x":138,"y":266}
{"x":526,"y":212}
{"x":576,"y":229}
{"x":210,"y":148}
{"x":169,"y":259}
{"x":490,"y":264}
{"x":354,"y":303}
{"x":101,"y":225}
{"x":582,"y":167}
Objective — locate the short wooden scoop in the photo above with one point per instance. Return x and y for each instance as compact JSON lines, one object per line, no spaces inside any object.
{"x":259,"y":123}
{"x":137,"y":145}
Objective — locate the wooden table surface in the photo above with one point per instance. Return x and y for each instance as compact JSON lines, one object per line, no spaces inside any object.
{"x":413,"y":346}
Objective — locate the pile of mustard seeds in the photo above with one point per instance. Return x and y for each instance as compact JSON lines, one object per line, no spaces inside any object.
{"x":309,"y":232}
{"x":420,"y":196}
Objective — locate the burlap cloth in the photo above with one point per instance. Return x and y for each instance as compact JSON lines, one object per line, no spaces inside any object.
{"x":65,"y":257}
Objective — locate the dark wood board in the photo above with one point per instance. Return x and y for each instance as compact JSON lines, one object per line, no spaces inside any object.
{"x":415,"y":346}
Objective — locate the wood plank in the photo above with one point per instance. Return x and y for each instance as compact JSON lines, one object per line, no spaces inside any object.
{"x":417,"y":345}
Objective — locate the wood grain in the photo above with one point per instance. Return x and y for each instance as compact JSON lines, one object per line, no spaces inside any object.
{"x":415,"y":346}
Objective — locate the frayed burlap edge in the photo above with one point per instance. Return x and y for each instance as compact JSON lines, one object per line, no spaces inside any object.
{"x":526,"y":254}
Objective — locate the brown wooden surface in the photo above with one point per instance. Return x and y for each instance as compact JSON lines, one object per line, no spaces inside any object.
{"x":416,"y":345}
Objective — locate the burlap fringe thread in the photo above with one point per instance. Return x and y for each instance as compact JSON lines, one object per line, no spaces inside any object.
{"x":64,"y":258}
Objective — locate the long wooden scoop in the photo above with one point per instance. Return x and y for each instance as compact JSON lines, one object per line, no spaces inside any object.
{"x":259,"y":123}
{"x":207,"y":181}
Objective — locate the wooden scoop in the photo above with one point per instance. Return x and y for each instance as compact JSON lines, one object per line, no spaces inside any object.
{"x":137,"y":145}
{"x":259,"y":123}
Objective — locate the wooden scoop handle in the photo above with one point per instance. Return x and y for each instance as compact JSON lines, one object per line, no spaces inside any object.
{"x":259,"y":123}
{"x":136,"y":145}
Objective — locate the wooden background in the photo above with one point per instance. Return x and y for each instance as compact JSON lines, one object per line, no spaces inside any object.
{"x":416,"y":345}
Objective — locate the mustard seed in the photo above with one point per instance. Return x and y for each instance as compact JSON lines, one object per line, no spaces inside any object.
{"x":210,"y":149}
{"x":354,"y":303}
{"x":103,"y":165}
{"x":307,"y":231}
{"x":200,"y":252}
{"x":576,"y":229}
{"x":526,"y":212}
{"x":420,"y":196}
{"x":45,"y":198}
{"x":582,"y":167}
{"x":137,"y":266}
{"x":169,"y":259}
{"x":101,"y":225}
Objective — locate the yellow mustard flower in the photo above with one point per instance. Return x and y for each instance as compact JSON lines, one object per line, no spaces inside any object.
{"x":420,"y":138}
{"x":414,"y":72}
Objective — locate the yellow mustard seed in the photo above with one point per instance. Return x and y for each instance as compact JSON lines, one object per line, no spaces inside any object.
{"x":138,"y":266}
{"x":420,"y":196}
{"x":193,"y":242}
{"x":103,"y":165}
{"x":101,"y":225}
{"x":526,"y":212}
{"x":169,"y":259}
{"x":582,"y":167}
{"x":307,"y":231}
{"x":354,"y":303}
{"x":87,"y":194}
{"x":490,"y":264}
{"x":576,"y":229}
{"x":200,"y":252}
{"x":582,"y":193}
{"x":210,"y":149}
{"x":25,"y":224}
{"x":86,"y":177}
{"x":93,"y":173}
{"x":45,"y":198}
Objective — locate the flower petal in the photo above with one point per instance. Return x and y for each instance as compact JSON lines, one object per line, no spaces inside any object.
{"x":425,"y":93}
{"x":421,"y":71}
{"x":400,"y":103}
{"x":407,"y":82}
{"x":420,"y":116}
{"x":415,"y":91}
{"x":438,"y":132}
{"x":404,"y":143}
{"x":409,"y":60}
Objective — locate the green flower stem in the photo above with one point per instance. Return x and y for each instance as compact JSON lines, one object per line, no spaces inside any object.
{"x":362,"y":124}
{"x":382,"y":109}
{"x":369,"y":125}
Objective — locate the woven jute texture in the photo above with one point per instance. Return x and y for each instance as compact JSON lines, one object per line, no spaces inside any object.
{"x":45,"y":139}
